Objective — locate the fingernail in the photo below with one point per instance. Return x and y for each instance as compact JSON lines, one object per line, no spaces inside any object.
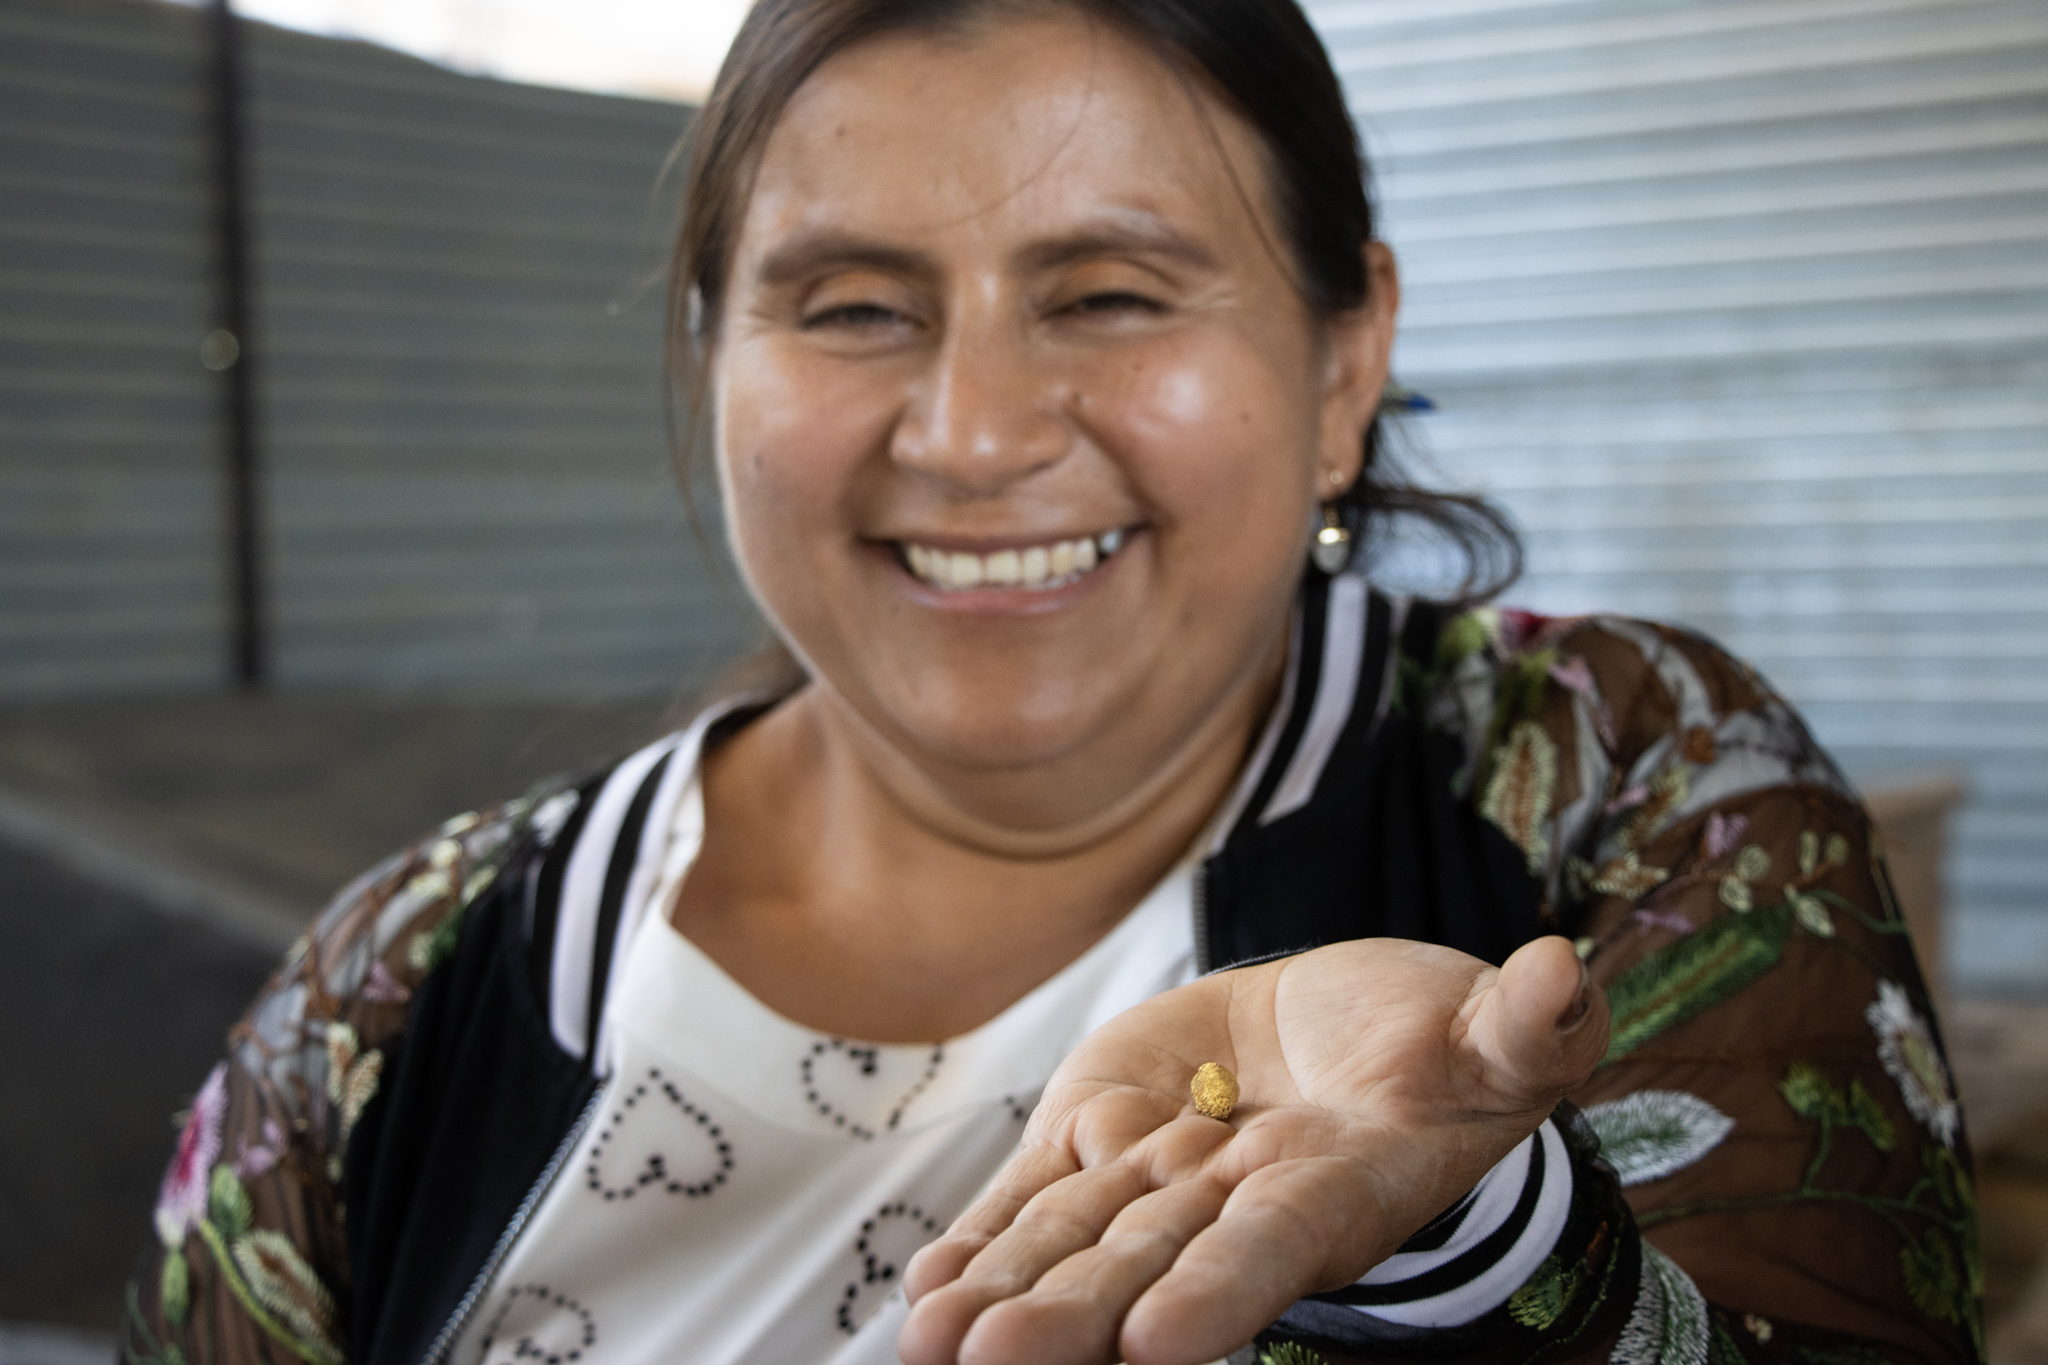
{"x":1582,"y":1003}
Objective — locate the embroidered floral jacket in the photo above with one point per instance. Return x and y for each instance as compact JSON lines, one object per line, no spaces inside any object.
{"x":1768,"y":1166}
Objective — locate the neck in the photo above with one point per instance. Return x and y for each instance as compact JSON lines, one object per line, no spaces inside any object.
{"x":927,"y":903}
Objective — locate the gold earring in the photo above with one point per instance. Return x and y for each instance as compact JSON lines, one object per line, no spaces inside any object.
{"x":1332,"y":548}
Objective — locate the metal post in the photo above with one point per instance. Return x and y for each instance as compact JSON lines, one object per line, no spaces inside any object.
{"x":230,"y":349}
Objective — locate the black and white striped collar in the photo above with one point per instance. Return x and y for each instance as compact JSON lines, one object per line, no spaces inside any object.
{"x":1342,"y":660}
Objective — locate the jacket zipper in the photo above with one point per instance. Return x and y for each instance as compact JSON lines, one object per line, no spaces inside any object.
{"x":1200,"y":899}
{"x":452,"y":1330}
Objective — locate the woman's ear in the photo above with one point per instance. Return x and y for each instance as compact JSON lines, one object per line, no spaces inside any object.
{"x":1360,"y":342}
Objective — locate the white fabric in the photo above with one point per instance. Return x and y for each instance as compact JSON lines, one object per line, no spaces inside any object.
{"x":1493,"y":1286}
{"x":1337,"y":688}
{"x":582,"y":889}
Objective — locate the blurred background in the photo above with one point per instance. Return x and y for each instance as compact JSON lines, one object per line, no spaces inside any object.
{"x":336,"y":495}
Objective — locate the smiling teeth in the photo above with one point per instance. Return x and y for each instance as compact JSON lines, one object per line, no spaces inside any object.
{"x":1036,"y":567}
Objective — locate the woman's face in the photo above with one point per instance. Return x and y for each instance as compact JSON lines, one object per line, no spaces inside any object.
{"x":1021,"y":421}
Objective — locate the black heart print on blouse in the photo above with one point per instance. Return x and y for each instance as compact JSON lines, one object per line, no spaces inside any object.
{"x":845,"y":1083}
{"x":886,"y":1243}
{"x":656,"y":1139}
{"x":536,"y":1325}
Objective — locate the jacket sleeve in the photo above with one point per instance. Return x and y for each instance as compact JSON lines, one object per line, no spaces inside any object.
{"x":248,"y":1265}
{"x":1769,"y":1164}
{"x":1775,"y":1099}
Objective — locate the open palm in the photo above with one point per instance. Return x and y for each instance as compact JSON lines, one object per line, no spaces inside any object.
{"x":1381,"y":1079}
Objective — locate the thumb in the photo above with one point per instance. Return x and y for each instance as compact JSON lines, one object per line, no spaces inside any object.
{"x":1543,"y":1026}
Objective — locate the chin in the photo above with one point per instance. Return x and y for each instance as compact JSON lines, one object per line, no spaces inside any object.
{"x":979,"y":724}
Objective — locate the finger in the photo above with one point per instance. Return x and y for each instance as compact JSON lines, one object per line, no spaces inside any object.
{"x":1066,"y":1217}
{"x":1021,"y":1179}
{"x":1076,"y":1308}
{"x":1277,"y":1239}
{"x":1061,"y":1220}
{"x":1544,"y":1026}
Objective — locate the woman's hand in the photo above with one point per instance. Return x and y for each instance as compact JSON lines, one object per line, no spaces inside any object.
{"x":1381,"y":1079}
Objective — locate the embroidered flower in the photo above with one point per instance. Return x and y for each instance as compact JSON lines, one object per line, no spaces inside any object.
{"x":382,"y":988}
{"x":1905,"y":1045}
{"x":251,"y":1162}
{"x":1646,"y":920}
{"x":1515,"y":629}
{"x":181,"y":1201}
{"x":1574,"y":676}
{"x":1724,"y":832}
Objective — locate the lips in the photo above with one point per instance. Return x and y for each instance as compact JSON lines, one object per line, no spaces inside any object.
{"x":1031,"y":568}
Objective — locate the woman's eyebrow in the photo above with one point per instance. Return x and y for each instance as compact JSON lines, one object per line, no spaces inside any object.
{"x":808,"y":253}
{"x":1149,"y":237}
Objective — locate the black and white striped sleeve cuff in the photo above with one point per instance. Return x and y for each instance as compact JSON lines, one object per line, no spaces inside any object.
{"x":1474,"y":1255}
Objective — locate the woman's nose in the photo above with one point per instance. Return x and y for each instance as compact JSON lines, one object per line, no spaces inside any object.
{"x":983,"y":416}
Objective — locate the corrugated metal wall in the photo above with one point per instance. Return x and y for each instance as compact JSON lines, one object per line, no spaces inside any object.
{"x":110,"y":559}
{"x":469,"y":479}
{"x":1742,"y":308}
{"x":466,"y":473}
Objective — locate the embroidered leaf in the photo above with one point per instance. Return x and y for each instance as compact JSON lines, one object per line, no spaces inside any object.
{"x":1692,"y":974}
{"x":342,"y":1045}
{"x":1627,"y":876}
{"x":1810,"y":1095}
{"x":1518,"y":794}
{"x":1653,"y":1133}
{"x":1813,"y":916}
{"x":1668,"y":791}
{"x":227,"y":1202}
{"x":430,"y":949}
{"x":1669,"y":1324}
{"x":174,"y":1287}
{"x":1462,"y":637}
{"x":1951,"y":1182}
{"x":1869,"y":1116}
{"x":282,"y":1282}
{"x":478,"y":882}
{"x":1933,"y":1279}
{"x":1735,"y":895}
{"x":1289,"y":1353}
{"x":1837,"y":850}
{"x":360,"y":1088}
{"x":1809,"y":852}
{"x":1752,"y":864}
{"x":1526,"y":684}
{"x":1542,"y":1300}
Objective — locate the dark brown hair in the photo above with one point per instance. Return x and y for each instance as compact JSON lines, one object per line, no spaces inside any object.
{"x":1260,"y":56}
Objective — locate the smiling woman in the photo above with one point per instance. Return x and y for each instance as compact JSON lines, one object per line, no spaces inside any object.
{"x":888,"y":1014}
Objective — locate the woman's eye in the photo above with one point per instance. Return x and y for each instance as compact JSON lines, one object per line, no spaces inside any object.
{"x":856,"y":315}
{"x":1115,"y":301}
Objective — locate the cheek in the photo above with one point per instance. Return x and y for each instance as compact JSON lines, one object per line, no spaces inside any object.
{"x":1213,"y":434}
{"x":791,"y":437}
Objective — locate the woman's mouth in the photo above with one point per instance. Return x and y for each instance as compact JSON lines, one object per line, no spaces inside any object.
{"x":1033,"y":568}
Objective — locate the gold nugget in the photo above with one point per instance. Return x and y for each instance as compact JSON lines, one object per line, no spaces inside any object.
{"x":1214,"y":1090}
